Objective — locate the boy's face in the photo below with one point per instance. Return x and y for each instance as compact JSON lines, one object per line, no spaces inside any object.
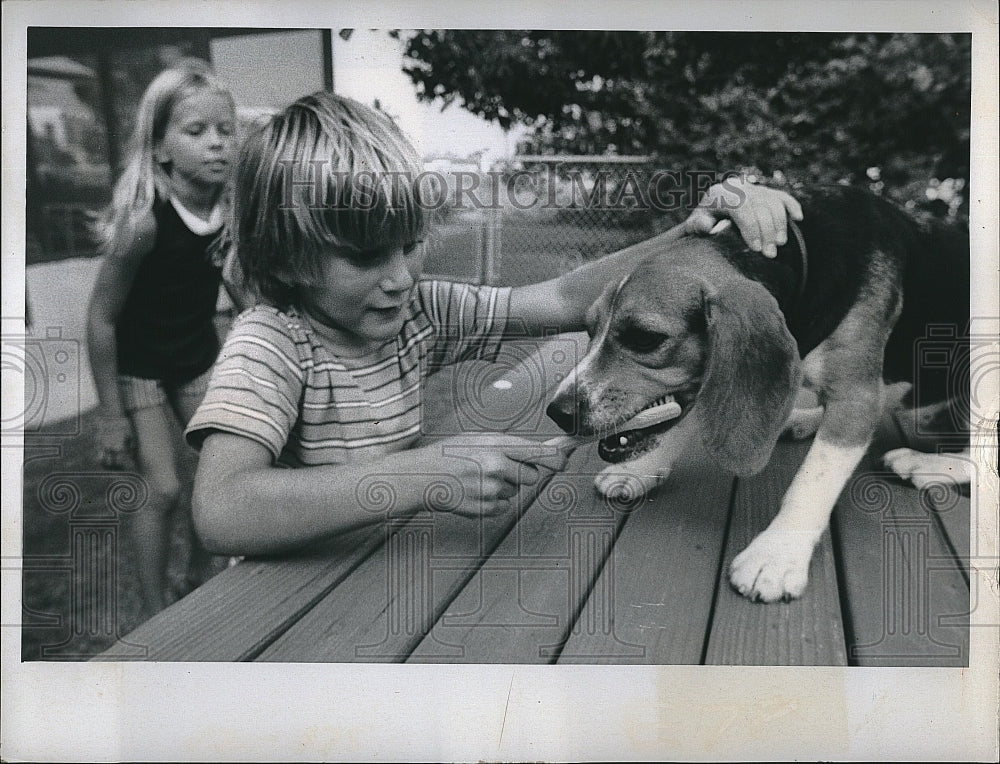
{"x":364,"y":301}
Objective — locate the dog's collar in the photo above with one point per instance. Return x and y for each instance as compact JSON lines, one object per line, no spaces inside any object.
{"x":793,"y":258}
{"x":803,"y":260}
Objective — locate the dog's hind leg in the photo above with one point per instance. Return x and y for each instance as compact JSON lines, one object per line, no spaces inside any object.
{"x":804,"y":420}
{"x":803,"y":423}
{"x":923,"y":469}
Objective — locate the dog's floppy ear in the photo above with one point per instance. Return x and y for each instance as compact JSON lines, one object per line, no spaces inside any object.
{"x":751,"y":375}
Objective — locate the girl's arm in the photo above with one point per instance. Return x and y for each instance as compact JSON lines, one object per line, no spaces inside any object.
{"x":243,"y":505}
{"x":759,"y":212}
{"x":114,"y":280}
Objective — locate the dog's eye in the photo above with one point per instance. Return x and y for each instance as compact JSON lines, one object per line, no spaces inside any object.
{"x":641,"y":340}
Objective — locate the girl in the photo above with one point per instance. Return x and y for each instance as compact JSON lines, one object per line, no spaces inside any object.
{"x":324,"y":375}
{"x":150,"y":325}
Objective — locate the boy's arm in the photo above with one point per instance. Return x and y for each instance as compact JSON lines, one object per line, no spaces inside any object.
{"x":244,"y":505}
{"x":561,"y":304}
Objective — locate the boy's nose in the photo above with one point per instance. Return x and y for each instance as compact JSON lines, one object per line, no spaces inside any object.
{"x":397,"y":277}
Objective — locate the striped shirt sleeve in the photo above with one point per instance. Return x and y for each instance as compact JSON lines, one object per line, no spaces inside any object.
{"x":469,"y":321}
{"x":256,"y":383}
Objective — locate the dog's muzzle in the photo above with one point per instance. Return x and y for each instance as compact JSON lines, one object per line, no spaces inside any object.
{"x":630,"y":438}
{"x":639,"y":434}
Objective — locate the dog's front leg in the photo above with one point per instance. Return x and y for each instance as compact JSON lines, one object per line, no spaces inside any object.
{"x":775,"y":565}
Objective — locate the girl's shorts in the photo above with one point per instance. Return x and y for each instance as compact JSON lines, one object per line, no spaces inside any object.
{"x":138,"y":393}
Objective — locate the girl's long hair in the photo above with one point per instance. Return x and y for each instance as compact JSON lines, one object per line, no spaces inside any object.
{"x":143,"y":179}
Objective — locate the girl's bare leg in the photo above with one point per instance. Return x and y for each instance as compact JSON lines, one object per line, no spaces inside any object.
{"x":150,"y":526}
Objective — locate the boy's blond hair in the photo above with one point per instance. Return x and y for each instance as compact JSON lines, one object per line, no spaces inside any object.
{"x":327,"y":175}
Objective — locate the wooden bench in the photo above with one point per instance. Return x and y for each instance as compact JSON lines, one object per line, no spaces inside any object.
{"x":575,"y":578}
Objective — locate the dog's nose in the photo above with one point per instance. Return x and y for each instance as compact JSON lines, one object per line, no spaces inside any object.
{"x":564,"y":413}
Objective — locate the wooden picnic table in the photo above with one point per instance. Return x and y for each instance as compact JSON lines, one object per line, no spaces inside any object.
{"x":575,"y":578}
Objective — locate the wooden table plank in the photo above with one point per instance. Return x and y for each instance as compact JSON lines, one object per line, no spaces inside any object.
{"x":391,"y":600}
{"x":662,"y":577}
{"x":804,"y":632}
{"x":239,"y":612}
{"x":907,"y":598}
{"x":520,"y":606}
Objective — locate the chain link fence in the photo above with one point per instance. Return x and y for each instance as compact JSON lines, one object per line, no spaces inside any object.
{"x":534,"y":217}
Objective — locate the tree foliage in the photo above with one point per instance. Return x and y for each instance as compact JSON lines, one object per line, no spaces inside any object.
{"x":889,"y":110}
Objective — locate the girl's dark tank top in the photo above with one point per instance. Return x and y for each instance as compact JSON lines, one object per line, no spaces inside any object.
{"x":166,"y":329}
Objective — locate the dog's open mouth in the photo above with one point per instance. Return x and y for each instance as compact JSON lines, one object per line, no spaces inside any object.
{"x":637,"y":435}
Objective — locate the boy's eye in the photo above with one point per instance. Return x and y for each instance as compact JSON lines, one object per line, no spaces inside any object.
{"x":641,"y":340}
{"x":364,"y":259}
{"x":368,"y":258}
{"x":196,"y":129}
{"x":373,"y":258}
{"x":226,"y":128}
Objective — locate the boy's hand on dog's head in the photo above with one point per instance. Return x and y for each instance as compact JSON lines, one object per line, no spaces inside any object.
{"x":760,"y":213}
{"x":492,"y":467}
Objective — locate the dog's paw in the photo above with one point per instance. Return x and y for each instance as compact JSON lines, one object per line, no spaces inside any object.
{"x":775,"y":566}
{"x":928,"y":469}
{"x":803,"y":423}
{"x":622,"y":484}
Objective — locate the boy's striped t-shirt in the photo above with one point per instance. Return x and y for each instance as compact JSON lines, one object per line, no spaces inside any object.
{"x":277,"y":382}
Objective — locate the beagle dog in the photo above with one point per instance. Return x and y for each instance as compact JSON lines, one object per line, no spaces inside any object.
{"x":708,"y":339}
